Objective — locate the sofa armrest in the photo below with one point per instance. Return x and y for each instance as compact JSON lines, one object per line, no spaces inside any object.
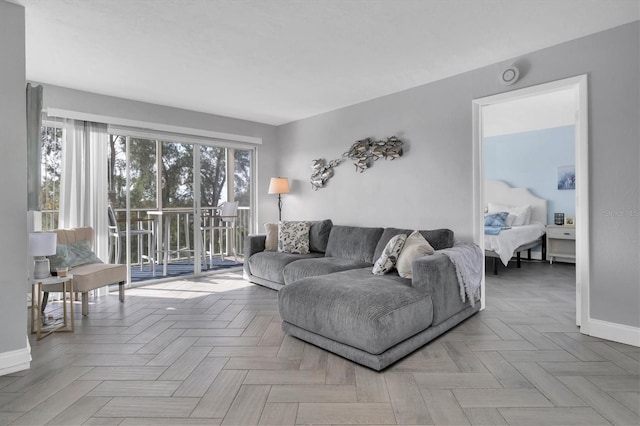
{"x":253,"y":243}
{"x":436,"y":275}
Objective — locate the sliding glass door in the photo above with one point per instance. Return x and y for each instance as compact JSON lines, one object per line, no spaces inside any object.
{"x":162,"y":184}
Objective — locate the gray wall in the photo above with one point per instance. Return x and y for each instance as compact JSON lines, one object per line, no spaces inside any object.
{"x":86,"y":102}
{"x":431,"y":186}
{"x":13,"y":175}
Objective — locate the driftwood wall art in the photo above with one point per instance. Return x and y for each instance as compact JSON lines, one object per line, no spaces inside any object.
{"x":363,"y":153}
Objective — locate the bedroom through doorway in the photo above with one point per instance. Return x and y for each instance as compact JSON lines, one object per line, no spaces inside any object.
{"x":530,"y":159}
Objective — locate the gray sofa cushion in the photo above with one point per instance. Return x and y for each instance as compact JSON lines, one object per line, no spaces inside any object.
{"x":321,"y":266}
{"x":319,"y":235}
{"x":353,"y":242}
{"x":438,"y":238}
{"x":270,"y":264}
{"x":368,"y":312}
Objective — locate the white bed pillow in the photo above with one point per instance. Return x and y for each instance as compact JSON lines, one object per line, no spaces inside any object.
{"x":518,"y":215}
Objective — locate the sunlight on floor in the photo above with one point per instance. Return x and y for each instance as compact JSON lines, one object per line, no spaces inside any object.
{"x":189,"y":289}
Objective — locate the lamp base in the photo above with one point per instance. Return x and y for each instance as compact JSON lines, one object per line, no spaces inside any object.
{"x":41,"y":268}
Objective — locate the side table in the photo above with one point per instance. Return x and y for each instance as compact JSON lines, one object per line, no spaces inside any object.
{"x":39,"y":285}
{"x":561,"y":242}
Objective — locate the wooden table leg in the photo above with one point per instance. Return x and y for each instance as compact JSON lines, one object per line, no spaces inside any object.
{"x":33,"y":301}
{"x":73,"y":323}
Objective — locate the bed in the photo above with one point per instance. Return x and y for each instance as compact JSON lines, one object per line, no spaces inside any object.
{"x":526,"y":228}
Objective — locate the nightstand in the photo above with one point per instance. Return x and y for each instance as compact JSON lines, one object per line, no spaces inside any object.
{"x":39,"y":285}
{"x":561,"y":243}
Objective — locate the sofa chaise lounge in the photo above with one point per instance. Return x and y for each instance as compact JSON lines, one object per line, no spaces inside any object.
{"x":330,"y":298}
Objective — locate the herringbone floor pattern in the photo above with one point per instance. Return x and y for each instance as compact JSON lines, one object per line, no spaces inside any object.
{"x":211,"y":351}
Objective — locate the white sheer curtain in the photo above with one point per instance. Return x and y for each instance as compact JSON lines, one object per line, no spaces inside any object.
{"x":83,"y":183}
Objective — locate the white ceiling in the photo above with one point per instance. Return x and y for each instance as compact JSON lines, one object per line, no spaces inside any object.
{"x":277,"y":61}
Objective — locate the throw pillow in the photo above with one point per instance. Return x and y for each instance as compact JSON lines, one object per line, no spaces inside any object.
{"x":82,"y":254}
{"x":416,"y":246}
{"x":389,"y":256}
{"x":293,"y":237}
{"x":495,"y":219}
{"x":271,"y":242}
{"x":71,"y":255}
{"x":61,"y":258}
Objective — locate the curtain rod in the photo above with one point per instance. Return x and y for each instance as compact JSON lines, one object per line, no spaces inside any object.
{"x":146,"y":125}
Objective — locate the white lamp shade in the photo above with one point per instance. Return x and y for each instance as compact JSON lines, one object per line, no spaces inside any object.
{"x":42,"y":243}
{"x":279,"y":185}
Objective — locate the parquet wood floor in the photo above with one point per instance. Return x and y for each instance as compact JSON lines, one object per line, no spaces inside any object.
{"x":210,"y":351}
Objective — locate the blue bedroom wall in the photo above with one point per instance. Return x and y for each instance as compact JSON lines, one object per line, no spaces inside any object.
{"x":531,"y":160}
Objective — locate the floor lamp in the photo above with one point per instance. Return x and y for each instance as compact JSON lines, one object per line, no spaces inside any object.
{"x":279,"y":185}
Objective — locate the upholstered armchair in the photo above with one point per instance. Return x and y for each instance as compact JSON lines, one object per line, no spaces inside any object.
{"x":75,"y":250}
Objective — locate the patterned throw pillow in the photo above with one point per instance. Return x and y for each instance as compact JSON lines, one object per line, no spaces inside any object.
{"x":293,"y":237}
{"x":416,"y":246}
{"x":271,"y":241}
{"x":389,"y":256}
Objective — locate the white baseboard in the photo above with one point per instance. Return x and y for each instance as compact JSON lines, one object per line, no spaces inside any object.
{"x":17,"y":360}
{"x":616,"y":332}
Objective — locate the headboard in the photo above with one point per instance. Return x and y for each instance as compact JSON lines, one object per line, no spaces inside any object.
{"x":497,"y":191}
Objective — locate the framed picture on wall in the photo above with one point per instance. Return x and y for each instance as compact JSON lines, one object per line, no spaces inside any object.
{"x":567,"y":177}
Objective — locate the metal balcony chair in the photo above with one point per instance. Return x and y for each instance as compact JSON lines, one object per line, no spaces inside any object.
{"x":115,"y":235}
{"x":225,"y":220}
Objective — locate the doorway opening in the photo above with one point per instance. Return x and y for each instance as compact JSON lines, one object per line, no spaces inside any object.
{"x":576,"y":87}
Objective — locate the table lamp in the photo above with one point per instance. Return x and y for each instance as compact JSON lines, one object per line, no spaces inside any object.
{"x":42,"y":244}
{"x":279,"y":185}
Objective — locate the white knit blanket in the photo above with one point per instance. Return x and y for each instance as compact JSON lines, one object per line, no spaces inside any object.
{"x":467,"y":259}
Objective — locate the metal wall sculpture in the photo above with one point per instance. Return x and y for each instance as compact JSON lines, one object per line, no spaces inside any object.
{"x":363,"y":153}
{"x":322,"y":171}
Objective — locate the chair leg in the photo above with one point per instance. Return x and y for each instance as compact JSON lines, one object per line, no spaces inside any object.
{"x":186,"y":235}
{"x":140,"y":251}
{"x":110,"y":248}
{"x":203,"y":253}
{"x":220,"y":245}
{"x":85,"y":303}
{"x":121,"y":290}
{"x":233,"y":242}
{"x":117,"y":258}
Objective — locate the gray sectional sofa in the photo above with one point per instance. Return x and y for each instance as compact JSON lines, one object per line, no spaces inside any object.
{"x":330,"y":297}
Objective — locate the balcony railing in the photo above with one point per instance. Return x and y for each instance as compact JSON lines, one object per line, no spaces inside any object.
{"x":181,"y":245}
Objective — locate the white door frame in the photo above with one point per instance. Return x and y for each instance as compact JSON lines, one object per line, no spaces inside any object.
{"x":579,"y":83}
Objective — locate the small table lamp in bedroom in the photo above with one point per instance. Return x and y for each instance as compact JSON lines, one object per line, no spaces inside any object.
{"x":279,"y":186}
{"x":42,"y":244}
